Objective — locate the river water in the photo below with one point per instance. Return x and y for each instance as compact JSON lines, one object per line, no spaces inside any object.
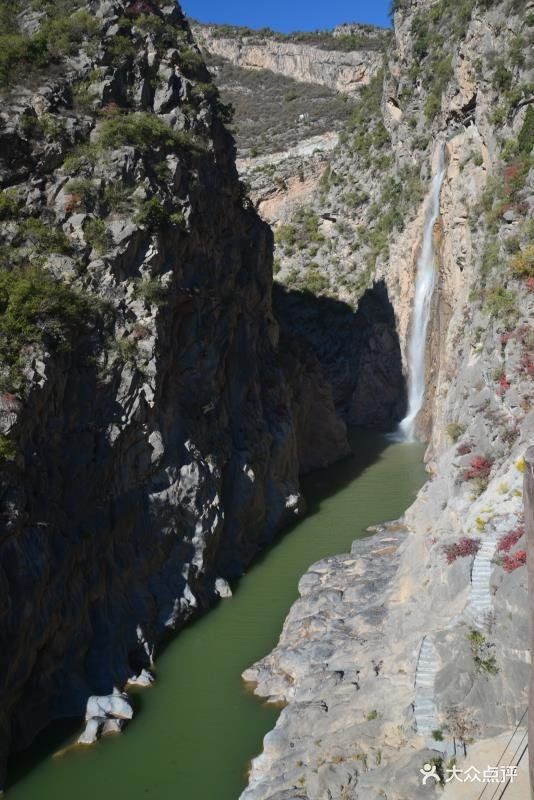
{"x":196,"y":730}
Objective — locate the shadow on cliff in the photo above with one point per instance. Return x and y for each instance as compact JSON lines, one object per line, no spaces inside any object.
{"x":358,"y":350}
{"x":322,"y":484}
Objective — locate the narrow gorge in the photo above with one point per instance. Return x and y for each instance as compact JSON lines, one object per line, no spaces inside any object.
{"x":265,"y":324}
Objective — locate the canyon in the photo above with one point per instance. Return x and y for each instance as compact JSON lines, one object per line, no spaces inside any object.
{"x":156,"y":420}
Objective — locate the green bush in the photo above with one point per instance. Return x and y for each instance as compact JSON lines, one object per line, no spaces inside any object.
{"x":525,"y":139}
{"x":500,"y":303}
{"x":455,"y":430}
{"x":522,"y":263}
{"x":150,"y":290}
{"x":164,"y":35}
{"x":34,"y":304}
{"x":432,"y":105}
{"x":7,"y":449}
{"x":481,"y":652}
{"x":151,"y":214}
{"x":97,"y":235}
{"x":502,"y":77}
{"x":58,"y":36}
{"x":85,"y":190}
{"x":313,"y":281}
{"x":35,"y":127}
{"x":9,"y":204}
{"x":115,"y":197}
{"x":490,"y":258}
{"x":44,"y":238}
{"x":142,"y":130}
{"x":85,"y":155}
{"x":190,"y":61}
{"x":120,"y":49}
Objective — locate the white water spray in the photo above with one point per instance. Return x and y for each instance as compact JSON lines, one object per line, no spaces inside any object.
{"x":422,"y":302}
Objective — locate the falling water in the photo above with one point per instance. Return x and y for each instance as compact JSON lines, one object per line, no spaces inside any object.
{"x":424,"y":289}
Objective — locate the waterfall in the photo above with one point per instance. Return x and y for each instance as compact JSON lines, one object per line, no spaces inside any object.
{"x":424,"y":289}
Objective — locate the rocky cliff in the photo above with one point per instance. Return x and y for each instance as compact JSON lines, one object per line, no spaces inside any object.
{"x":153,"y":422}
{"x":344,"y":62}
{"x":440,"y":654}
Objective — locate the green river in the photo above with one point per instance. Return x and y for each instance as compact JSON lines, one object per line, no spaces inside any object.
{"x":196,"y":730}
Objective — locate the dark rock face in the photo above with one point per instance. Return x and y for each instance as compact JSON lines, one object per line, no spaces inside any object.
{"x":359,"y":352}
{"x":163,"y":448}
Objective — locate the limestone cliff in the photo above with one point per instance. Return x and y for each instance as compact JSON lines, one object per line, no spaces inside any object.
{"x":445,"y":643}
{"x":153,"y":428}
{"x":344,"y":62}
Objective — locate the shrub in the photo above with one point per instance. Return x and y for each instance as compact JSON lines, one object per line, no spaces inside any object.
{"x":120,"y":49}
{"x":462,"y":548}
{"x":9,"y":204}
{"x":479,"y":467}
{"x":97,"y":235}
{"x":490,"y":257}
{"x":7,"y":448}
{"x":150,"y":290}
{"x":151,"y":214}
{"x":522,"y":263}
{"x":45,"y":239}
{"x":84,"y":155}
{"x":455,"y":430}
{"x":525,"y":139}
{"x":508,"y":540}
{"x":126,"y":350}
{"x":514,"y":561}
{"x":34,"y":127}
{"x":481,"y":651}
{"x":85,"y":190}
{"x":501,"y":303}
{"x":115,"y":197}
{"x":190,"y":61}
{"x":33,"y":304}
{"x":59,"y":35}
{"x":142,"y":130}
{"x":502,"y":77}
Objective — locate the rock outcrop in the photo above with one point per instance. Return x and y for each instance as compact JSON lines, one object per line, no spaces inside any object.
{"x":343,"y":70}
{"x":445,"y":646}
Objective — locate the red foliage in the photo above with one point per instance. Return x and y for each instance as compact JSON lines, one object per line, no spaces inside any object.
{"x":503,"y":383}
{"x":463,"y":547}
{"x":479,"y":467}
{"x":507,"y":540}
{"x":515,"y":560}
{"x":72,"y":202}
{"x":529,"y":283}
{"x":510,"y":172}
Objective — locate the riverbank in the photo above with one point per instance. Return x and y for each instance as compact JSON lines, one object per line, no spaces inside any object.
{"x":198,"y":711}
{"x":402,"y":647}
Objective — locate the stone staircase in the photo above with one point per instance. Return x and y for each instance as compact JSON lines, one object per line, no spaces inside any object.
{"x":479,"y":605}
{"x":426,"y":715}
{"x":480,"y":600}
